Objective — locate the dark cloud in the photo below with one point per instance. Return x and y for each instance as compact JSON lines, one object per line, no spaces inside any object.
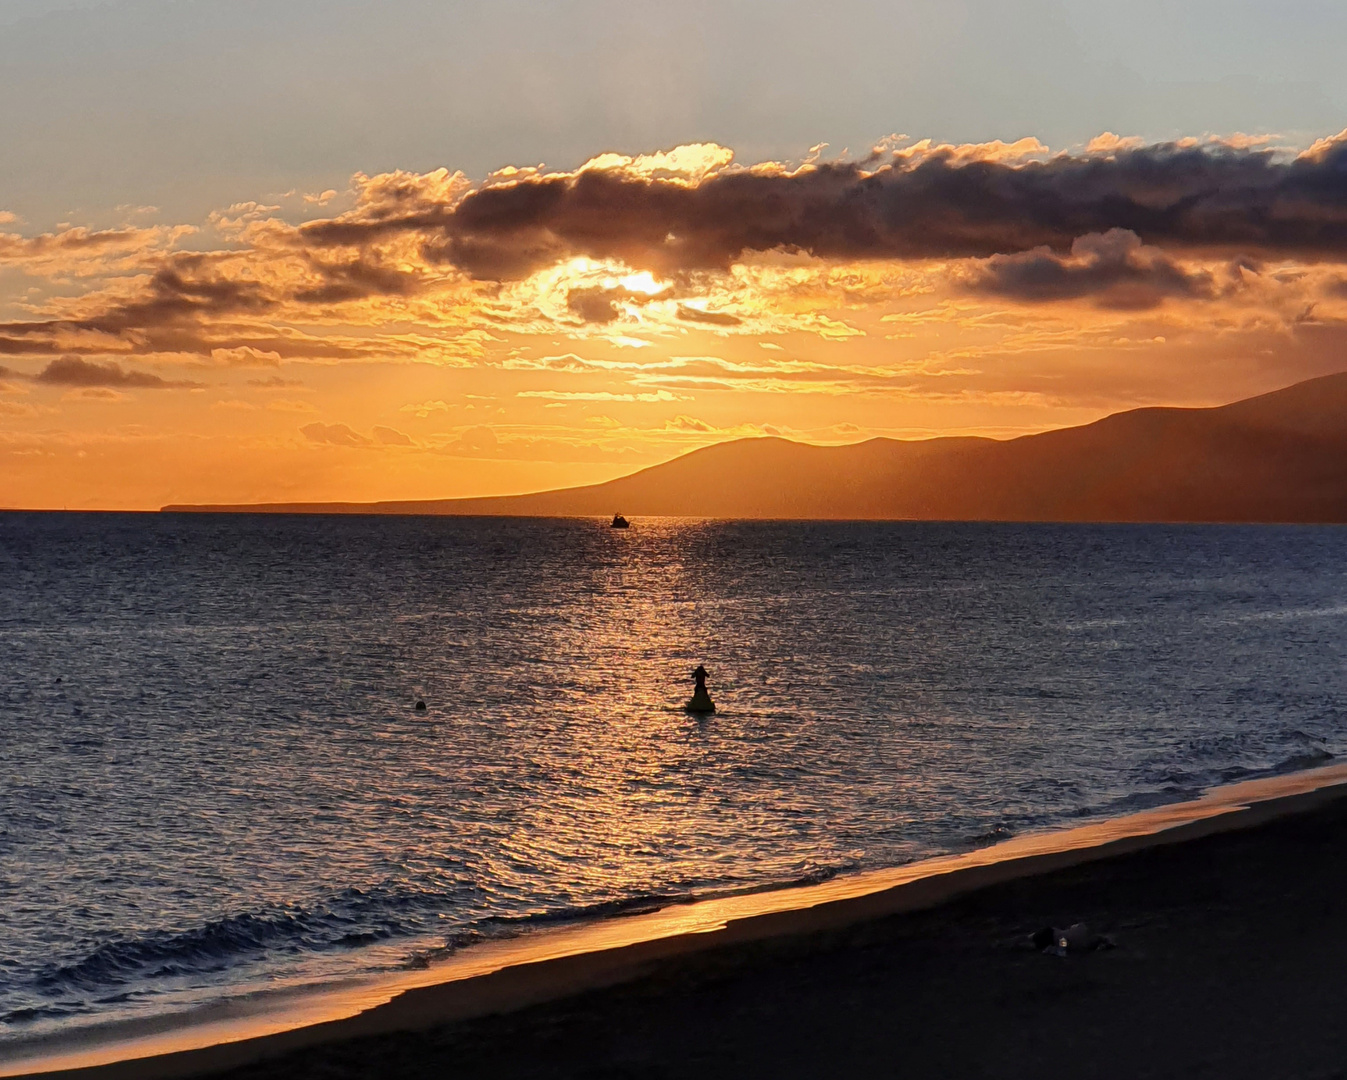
{"x":164,"y":318}
{"x":355,"y":280}
{"x":592,"y":305}
{"x":45,"y":339}
{"x":73,"y":371}
{"x":193,"y":289}
{"x":600,"y":305}
{"x":179,"y":293}
{"x":1113,"y":268}
{"x":16,"y":343}
{"x":1173,"y":195}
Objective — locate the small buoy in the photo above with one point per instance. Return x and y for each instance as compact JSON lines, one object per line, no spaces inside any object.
{"x":701,"y":700}
{"x":420,"y":705}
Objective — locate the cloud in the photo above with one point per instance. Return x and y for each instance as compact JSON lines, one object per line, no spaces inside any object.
{"x":593,"y":305}
{"x":599,"y":395}
{"x":939,"y":203}
{"x":334,"y":434}
{"x":424,"y":409}
{"x":474,"y":442}
{"x":284,"y":405}
{"x":713,"y":318}
{"x":356,"y":279}
{"x":1109,"y":143}
{"x":603,"y":305}
{"x":392,"y":437}
{"x":1114,"y":268}
{"x":688,"y":423}
{"x":80,"y":251}
{"x":95,"y":393}
{"x":245,"y":356}
{"x":183,"y":292}
{"x":274,"y":382}
{"x":72,"y":371}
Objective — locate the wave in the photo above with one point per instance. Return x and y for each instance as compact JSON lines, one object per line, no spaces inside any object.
{"x":349,"y":919}
{"x":29,"y":1014}
{"x":1176,"y":784}
{"x":1310,"y":759}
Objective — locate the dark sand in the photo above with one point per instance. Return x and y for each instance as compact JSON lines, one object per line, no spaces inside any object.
{"x":1231,"y":962}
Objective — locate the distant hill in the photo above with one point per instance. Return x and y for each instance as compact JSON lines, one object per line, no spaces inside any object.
{"x":1277,"y":457}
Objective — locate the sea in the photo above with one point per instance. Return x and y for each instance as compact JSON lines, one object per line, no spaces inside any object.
{"x":215,"y":780}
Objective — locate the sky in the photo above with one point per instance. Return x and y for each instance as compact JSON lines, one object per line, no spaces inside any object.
{"x":303,"y":250}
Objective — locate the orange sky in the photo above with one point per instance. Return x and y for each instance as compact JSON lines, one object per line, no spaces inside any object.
{"x":431,"y":335}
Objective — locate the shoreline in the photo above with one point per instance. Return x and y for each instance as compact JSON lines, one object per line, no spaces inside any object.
{"x":556,"y":965}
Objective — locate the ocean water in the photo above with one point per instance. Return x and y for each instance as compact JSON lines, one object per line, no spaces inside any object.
{"x":213,"y":779}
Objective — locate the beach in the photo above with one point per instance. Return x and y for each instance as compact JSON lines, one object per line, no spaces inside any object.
{"x":1230,"y":935}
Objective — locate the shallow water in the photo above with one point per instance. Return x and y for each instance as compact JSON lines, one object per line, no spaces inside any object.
{"x":214,"y":779}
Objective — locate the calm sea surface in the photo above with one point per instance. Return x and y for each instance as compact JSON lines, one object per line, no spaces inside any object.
{"x":213,"y":779}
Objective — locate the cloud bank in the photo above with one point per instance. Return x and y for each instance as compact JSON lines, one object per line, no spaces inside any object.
{"x":1119,"y":225}
{"x":940,"y":203}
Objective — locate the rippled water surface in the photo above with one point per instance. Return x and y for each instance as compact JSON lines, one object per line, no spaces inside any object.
{"x":214,"y":779}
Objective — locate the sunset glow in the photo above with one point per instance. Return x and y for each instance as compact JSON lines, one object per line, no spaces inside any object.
{"x":359,"y":346}
{"x":493,"y":324}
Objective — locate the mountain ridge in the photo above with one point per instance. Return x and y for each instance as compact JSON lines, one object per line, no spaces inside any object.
{"x":1276,"y":457}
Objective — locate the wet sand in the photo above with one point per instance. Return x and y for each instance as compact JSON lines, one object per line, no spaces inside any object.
{"x":1231,"y":961}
